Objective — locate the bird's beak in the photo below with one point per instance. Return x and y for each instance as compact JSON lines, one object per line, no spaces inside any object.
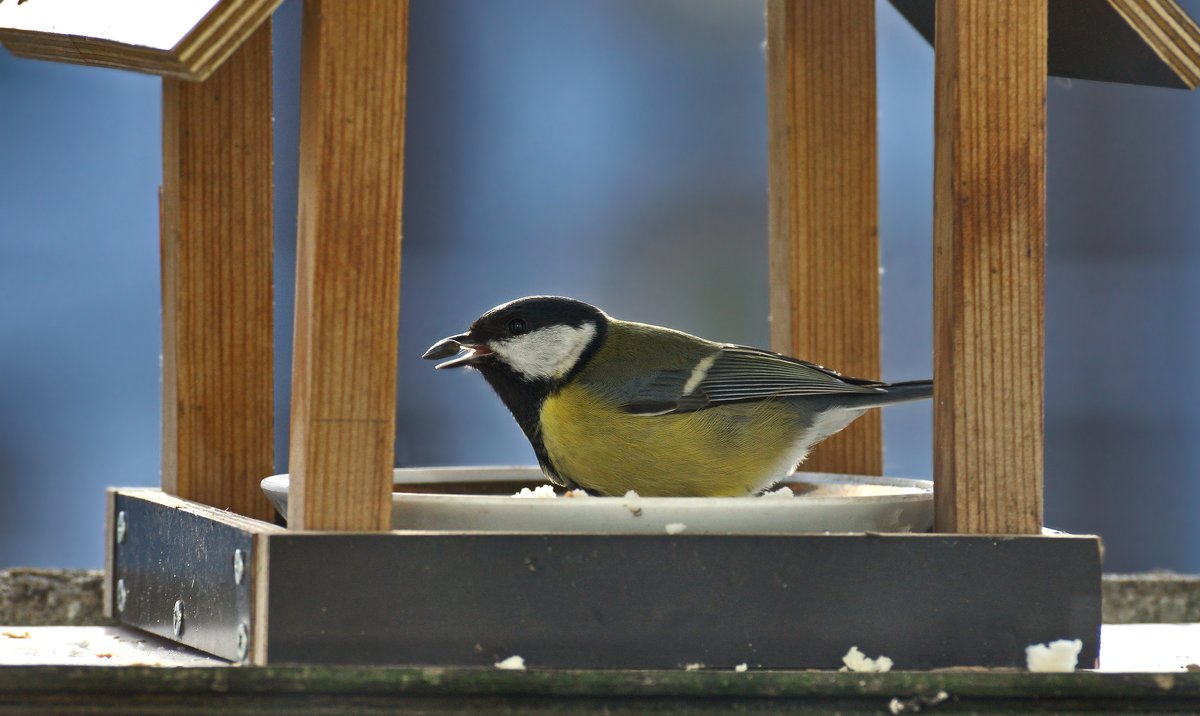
{"x":455,"y":344}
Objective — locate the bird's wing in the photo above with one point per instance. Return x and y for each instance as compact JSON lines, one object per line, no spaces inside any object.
{"x":738,"y":374}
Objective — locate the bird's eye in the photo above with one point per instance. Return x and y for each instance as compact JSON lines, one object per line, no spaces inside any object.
{"x":517,"y":326}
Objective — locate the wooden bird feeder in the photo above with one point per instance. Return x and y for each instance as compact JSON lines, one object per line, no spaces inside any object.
{"x":200,"y":562}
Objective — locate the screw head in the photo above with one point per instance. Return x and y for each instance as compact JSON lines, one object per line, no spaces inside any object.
{"x":121,"y":527}
{"x":177,"y":617}
{"x":121,"y":595}
{"x":239,"y":566}
{"x":243,"y":641}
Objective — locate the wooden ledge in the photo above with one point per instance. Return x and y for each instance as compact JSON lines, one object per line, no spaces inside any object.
{"x":292,"y":689}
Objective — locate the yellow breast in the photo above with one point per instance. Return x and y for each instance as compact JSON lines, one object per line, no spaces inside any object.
{"x":730,"y":450}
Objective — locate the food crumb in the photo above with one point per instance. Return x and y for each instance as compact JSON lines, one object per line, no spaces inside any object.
{"x":1059,"y":656}
{"x":693,"y":667}
{"x":674,"y":528}
{"x":740,"y":668}
{"x":855,"y":660}
{"x":576,"y":493}
{"x":1192,"y":667}
{"x":631,"y":494}
{"x":543,"y":491}
{"x":784,"y":492}
{"x":916,"y":703}
{"x":16,"y":634}
{"x":512,"y":663}
{"x":104,"y":656}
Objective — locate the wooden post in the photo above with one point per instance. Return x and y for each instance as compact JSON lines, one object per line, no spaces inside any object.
{"x":824,"y":212}
{"x":216,"y":214}
{"x":989,"y":251}
{"x":348,"y":264}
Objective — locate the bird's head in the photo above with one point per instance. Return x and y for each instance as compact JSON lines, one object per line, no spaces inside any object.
{"x":537,"y":339}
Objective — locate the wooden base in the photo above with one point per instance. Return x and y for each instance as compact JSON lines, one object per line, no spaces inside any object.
{"x":70,"y":670}
{"x":595,"y":601}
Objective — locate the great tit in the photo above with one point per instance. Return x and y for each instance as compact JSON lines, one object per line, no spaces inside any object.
{"x":611,"y":406}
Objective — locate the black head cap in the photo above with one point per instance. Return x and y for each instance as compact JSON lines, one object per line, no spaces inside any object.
{"x":528,"y":314}
{"x":523,"y":390}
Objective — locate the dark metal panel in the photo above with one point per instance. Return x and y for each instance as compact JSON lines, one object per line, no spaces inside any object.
{"x":647,"y":601}
{"x":165,"y":556}
{"x":1089,"y":40}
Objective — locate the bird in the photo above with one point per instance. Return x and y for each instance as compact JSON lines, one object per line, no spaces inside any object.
{"x":611,"y":406}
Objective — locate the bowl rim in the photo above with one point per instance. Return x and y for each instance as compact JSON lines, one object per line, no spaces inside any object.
{"x":915,"y":490}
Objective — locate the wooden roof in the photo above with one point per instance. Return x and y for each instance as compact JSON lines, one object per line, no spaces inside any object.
{"x":178,"y":38}
{"x":1141,"y":42}
{"x":1147,"y":42}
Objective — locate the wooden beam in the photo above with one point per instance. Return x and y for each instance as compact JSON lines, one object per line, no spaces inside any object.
{"x":217,"y":236}
{"x":989,"y":252}
{"x":187,"y":40}
{"x":1168,"y":30}
{"x":824,"y":215}
{"x":348,"y":264}
{"x":1143,"y":42}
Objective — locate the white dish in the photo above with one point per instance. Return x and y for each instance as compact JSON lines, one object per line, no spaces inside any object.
{"x":824,"y":503}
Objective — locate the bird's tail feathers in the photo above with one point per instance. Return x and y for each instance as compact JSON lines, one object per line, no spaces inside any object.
{"x":902,"y":392}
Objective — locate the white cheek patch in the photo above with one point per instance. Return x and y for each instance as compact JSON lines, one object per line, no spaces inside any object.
{"x":547,"y":352}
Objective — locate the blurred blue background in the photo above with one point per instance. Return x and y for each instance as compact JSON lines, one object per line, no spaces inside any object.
{"x":614,"y":151}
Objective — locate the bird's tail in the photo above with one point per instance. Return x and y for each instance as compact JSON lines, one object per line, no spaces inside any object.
{"x":909,"y":390}
{"x":896,"y":393}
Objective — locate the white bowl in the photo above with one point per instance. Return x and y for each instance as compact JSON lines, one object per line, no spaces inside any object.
{"x":474,"y":499}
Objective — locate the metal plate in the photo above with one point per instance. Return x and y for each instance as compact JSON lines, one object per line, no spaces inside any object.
{"x":647,"y":601}
{"x":168,"y":556}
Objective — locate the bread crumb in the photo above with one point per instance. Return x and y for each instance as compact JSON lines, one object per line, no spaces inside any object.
{"x":1059,"y":656}
{"x":855,"y":660}
{"x":544,"y":491}
{"x":631,"y":494}
{"x":693,"y":667}
{"x":674,"y":528}
{"x":916,"y":703}
{"x":512,"y":663}
{"x":784,"y":492}
{"x":740,"y":668}
{"x":16,"y":634}
{"x":576,"y":493}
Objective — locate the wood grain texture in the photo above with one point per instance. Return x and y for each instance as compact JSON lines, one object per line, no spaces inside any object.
{"x":989,"y":255}
{"x":110,"y":547}
{"x":1168,"y":30}
{"x":260,"y":615}
{"x":1144,"y":42}
{"x":218,"y":391}
{"x":348,"y":264}
{"x":824,"y":224}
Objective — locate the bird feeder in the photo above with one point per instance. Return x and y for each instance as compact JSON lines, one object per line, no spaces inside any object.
{"x":199,"y":561}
